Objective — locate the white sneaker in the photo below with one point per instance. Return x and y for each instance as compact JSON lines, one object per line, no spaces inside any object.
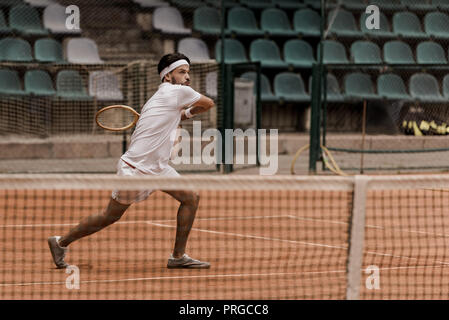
{"x":57,"y":252}
{"x":186,"y":262}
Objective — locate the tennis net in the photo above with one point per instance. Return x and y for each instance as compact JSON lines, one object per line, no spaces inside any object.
{"x":273,"y":237}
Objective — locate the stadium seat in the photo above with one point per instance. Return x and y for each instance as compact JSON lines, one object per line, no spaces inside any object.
{"x":299,"y":53}
{"x":54,"y":19}
{"x":48,"y":50}
{"x":15,"y":49}
{"x":307,"y":22}
{"x":334,"y":52}
{"x":441,"y":4}
{"x":207,"y":21}
{"x":187,"y":3}
{"x":212,"y":84}
{"x":391,"y":86}
{"x":289,"y":86}
{"x":243,"y":22}
{"x":418,"y":5}
{"x":40,"y":3}
{"x":436,"y":24}
{"x":38,"y":82}
{"x":70,"y":85}
{"x":446,"y":86}
{"x":354,"y":4}
{"x":227,"y":3}
{"x":398,"y":52}
{"x":10,"y":3}
{"x":266,"y":94}
{"x":388,"y":4}
{"x":83,"y":51}
{"x":342,"y":23}
{"x":169,"y":20}
{"x":10,"y":83}
{"x":258,"y":4}
{"x":289,"y":4}
{"x":26,"y":20}
{"x":315,"y":4}
{"x":424,"y":87}
{"x":152,"y":3}
{"x":333,"y":89}
{"x":267,"y":52}
{"x":407,"y":25}
{"x":384,"y":30}
{"x":194,"y":48}
{"x":276,"y":23}
{"x":105,"y":85}
{"x":4,"y":29}
{"x":365,"y":52}
{"x":359,"y":86}
{"x":234,"y":51}
{"x":430,"y":52}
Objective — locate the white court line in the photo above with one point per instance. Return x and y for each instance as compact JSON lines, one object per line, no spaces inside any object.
{"x":211,"y":276}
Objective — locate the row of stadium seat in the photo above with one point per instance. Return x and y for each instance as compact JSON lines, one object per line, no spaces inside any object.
{"x":405,"y":24}
{"x":26,"y":20}
{"x":48,"y":50}
{"x":103,"y":85}
{"x":257,"y":4}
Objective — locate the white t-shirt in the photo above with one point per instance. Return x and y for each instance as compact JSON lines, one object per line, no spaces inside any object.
{"x":153,"y":138}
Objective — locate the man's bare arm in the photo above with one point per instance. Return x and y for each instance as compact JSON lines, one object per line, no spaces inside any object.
{"x":202,"y":105}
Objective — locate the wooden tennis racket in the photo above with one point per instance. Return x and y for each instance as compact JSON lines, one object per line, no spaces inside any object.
{"x":117,"y":118}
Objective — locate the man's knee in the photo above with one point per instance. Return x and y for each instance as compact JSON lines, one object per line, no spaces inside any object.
{"x":192,"y":199}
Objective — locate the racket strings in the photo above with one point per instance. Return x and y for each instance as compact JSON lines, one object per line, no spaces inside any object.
{"x":116,"y":118}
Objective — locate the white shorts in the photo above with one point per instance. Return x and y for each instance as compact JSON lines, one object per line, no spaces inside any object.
{"x":129,"y":196}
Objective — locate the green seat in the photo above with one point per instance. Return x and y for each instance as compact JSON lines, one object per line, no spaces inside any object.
{"x":398,"y":52}
{"x":258,"y":4}
{"x":243,"y":22}
{"x":334,"y":52}
{"x":207,"y":21}
{"x":234,"y":51}
{"x":384,"y":30}
{"x":299,"y":53}
{"x":227,"y":3}
{"x":289,"y":86}
{"x":4,"y":29}
{"x":307,"y":22}
{"x":276,"y":23}
{"x":267,"y":53}
{"x":436,"y":24}
{"x":365,"y":52}
{"x":70,"y":85}
{"x":15,"y":49}
{"x":187,"y":3}
{"x":333,"y":94}
{"x":418,"y":5}
{"x":446,"y":86}
{"x":10,"y":83}
{"x":289,"y":4}
{"x":10,"y":3}
{"x":26,"y":20}
{"x":48,"y":50}
{"x":430,"y":52}
{"x":38,"y":82}
{"x":266,"y":94}
{"x":315,"y":4}
{"x":407,"y":25}
{"x":342,"y":23}
{"x":354,"y":4}
{"x":391,"y":86}
{"x":441,"y":4}
{"x":388,"y":4}
{"x":359,"y":86}
{"x":424,"y":87}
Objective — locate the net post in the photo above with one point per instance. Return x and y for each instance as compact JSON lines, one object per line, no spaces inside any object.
{"x":315,"y":118}
{"x":356,"y":237}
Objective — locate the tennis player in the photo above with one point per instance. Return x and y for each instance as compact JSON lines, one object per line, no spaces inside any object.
{"x":148,"y":154}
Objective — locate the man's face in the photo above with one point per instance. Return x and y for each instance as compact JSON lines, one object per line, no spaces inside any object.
{"x":180,"y":75}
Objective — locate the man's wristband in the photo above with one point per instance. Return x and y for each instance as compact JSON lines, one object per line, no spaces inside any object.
{"x":188,"y":114}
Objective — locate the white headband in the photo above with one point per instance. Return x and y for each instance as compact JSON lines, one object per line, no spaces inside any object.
{"x":172,"y":67}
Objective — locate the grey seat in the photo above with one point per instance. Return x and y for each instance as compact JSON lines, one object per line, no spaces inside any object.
{"x":391,"y":86}
{"x":169,"y":20}
{"x":105,"y":85}
{"x":54,"y":19}
{"x":194,"y":48}
{"x":152,"y":3}
{"x":365,"y":52}
{"x":39,"y":3}
{"x":424,"y":87}
{"x":429,"y":52}
{"x":446,"y":86}
{"x":83,"y":51}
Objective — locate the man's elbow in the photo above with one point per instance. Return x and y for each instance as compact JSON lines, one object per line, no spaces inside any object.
{"x":210,"y":103}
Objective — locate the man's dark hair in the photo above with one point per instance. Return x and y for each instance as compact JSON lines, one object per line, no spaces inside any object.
{"x":168,"y":59}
